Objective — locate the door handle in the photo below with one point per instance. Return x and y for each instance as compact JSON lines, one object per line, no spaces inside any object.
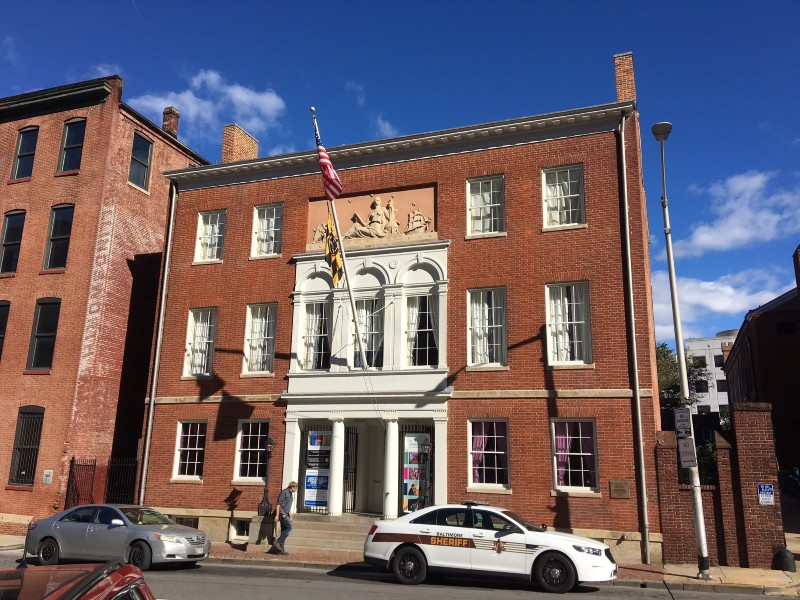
{"x":424,"y":530}
{"x":477,"y":535}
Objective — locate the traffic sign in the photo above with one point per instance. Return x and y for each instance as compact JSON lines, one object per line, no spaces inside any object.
{"x":687,"y":453}
{"x":766,"y":494}
{"x":683,"y":422}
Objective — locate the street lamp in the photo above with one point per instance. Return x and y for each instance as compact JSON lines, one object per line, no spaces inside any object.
{"x":265,"y":506}
{"x":425,"y":449}
{"x":661,"y":132}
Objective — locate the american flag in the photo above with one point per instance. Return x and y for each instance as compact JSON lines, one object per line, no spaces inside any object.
{"x":333,"y":185}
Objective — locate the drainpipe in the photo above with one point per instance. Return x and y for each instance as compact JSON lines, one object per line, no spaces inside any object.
{"x":637,"y":399}
{"x":151,"y":403}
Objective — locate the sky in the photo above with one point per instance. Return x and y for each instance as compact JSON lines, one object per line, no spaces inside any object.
{"x":725,"y":74}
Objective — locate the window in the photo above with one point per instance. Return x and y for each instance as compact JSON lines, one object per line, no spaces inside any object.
{"x":701,"y":386}
{"x":700,"y":361}
{"x":26,"y":149}
{"x":106,"y":514}
{"x":486,"y":205}
{"x":5,"y":306}
{"x":370,"y":323}
{"x":12,"y":239}
{"x":193,"y":522}
{"x":72,"y":149}
{"x":259,"y":351}
{"x":191,"y":449}
{"x":719,"y":361}
{"x":241,"y":529}
{"x":251,"y":450}
{"x":210,"y":235}
{"x":487,"y":327}
{"x":422,"y":331}
{"x":43,"y":336}
{"x":26,"y":445}
{"x":488,"y":455}
{"x":316,"y":341}
{"x":568,"y":327}
{"x":200,"y":337}
{"x":139,"y":173}
{"x":574,"y":455}
{"x":722,"y":384}
{"x":55,"y":255}
{"x":563,"y":196}
{"x":267,"y":230}
{"x":84,"y":514}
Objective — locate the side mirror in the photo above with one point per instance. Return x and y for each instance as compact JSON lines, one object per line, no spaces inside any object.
{"x":117,"y":522}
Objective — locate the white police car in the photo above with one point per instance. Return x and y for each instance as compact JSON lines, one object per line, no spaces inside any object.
{"x":471,"y":538}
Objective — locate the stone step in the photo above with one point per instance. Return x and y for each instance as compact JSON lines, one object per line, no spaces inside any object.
{"x":303,"y":544}
{"x":345,"y":519}
{"x":362,"y":528}
{"x":323,"y":536}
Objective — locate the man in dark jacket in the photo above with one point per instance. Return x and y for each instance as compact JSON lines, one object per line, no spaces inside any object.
{"x":283,"y":513}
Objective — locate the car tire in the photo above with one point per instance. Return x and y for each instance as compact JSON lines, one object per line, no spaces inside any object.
{"x":554,"y":573}
{"x":409,"y":566}
{"x":140,"y":555}
{"x":48,"y":552}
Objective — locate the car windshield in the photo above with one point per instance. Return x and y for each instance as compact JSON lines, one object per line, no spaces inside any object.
{"x":522,"y":521}
{"x":139,"y":515}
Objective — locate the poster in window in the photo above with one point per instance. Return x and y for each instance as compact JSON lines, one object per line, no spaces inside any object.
{"x":318,"y":462}
{"x":416,"y":472}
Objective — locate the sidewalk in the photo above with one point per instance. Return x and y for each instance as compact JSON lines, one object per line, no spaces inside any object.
{"x":727,"y":580}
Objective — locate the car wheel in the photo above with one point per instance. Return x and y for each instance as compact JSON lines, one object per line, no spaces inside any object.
{"x":140,"y":555}
{"x":47,"y":552}
{"x":555,"y":573}
{"x":409,"y":566}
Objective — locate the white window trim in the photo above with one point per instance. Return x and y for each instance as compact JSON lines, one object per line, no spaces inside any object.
{"x":504,"y":329}
{"x":232,"y":531}
{"x":352,"y":355}
{"x":572,"y":488}
{"x":587,"y":360}
{"x":177,"y":455}
{"x":237,"y":458}
{"x":187,"y":363}
{"x":198,"y":248}
{"x":487,"y":487}
{"x":273,"y":310}
{"x":434,"y":296}
{"x":254,"y":253}
{"x":578,"y":225}
{"x":502,"y":223}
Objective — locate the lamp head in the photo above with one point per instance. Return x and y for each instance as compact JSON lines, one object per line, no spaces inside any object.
{"x":270,"y":445}
{"x":661,"y":131}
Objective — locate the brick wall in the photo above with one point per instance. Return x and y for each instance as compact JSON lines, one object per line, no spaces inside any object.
{"x":237,"y":144}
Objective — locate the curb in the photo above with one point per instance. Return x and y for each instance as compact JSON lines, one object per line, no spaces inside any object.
{"x":260,"y":562}
{"x":12,"y":547}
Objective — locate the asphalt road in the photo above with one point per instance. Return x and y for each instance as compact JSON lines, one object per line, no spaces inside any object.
{"x":234,"y":582}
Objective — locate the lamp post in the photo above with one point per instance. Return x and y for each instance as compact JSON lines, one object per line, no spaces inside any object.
{"x":265,"y":506}
{"x":425,"y":449}
{"x":661,"y":132}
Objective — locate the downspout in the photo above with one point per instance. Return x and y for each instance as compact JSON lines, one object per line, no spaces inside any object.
{"x":637,"y":399}
{"x":173,"y":194}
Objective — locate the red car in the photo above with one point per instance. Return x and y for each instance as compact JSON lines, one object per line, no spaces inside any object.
{"x":113,"y":579}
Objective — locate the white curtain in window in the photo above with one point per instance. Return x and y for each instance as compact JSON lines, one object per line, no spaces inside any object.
{"x":413,"y":325}
{"x":433,"y":312}
{"x":480,"y":326}
{"x":313,"y":328}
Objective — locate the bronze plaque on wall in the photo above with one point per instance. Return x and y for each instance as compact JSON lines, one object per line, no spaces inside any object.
{"x":619,"y":488}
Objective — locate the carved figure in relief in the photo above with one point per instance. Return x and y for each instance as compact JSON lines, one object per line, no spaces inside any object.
{"x":376,"y":225}
{"x":392,"y":226}
{"x":417,"y":223}
{"x":319,"y":233}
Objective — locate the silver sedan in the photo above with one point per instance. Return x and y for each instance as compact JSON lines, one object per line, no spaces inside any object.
{"x":136,"y":534}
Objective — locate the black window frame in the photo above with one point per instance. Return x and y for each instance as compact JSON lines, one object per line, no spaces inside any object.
{"x":135,"y":160}
{"x":5,"y":309}
{"x":71,"y":149}
{"x":37,"y":335}
{"x":5,"y":245}
{"x":28,"y":428}
{"x":18,"y":154}
{"x":61,"y":239}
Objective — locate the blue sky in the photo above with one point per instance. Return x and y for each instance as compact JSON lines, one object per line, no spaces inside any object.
{"x":727,"y":75}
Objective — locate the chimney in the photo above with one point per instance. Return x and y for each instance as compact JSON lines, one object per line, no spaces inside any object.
{"x":796,"y":260}
{"x":623,"y":70}
{"x":237,"y":144}
{"x":170,"y":122}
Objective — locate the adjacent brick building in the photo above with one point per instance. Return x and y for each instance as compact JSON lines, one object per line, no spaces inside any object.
{"x":84,"y":208}
{"x":488,"y":265}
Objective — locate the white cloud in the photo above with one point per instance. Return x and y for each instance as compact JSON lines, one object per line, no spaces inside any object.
{"x":103,"y":70}
{"x":9,"y":49}
{"x":357,"y":89}
{"x":729,"y":298}
{"x":211,"y":102}
{"x":746,"y":210}
{"x":282,"y":149}
{"x":383,"y":128}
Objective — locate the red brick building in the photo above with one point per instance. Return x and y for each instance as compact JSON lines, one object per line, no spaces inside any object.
{"x":489,"y":265}
{"x":84,"y":210}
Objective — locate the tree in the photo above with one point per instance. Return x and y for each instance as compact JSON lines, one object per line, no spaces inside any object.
{"x":669,"y":382}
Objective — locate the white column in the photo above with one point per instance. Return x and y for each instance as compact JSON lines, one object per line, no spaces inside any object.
{"x":440,"y":461}
{"x":336,"y":479}
{"x":391,"y":470}
{"x":291,"y":454}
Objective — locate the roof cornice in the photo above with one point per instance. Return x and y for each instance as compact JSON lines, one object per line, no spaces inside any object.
{"x":84,"y":93}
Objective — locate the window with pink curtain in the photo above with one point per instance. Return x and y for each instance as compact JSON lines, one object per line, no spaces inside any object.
{"x":575,"y":455}
{"x":489,"y":453}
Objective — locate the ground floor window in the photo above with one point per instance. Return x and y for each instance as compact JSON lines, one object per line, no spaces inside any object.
{"x":488,"y":455}
{"x":574,"y":454}
{"x":26,"y":445}
{"x":191,"y":449}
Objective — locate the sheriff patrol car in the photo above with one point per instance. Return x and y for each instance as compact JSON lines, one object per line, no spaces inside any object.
{"x":472,"y":538}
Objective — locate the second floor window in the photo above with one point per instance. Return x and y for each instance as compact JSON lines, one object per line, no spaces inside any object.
{"x":12,"y":239}
{"x":139,"y":172}
{"x":200,"y":341}
{"x":43,"y":336}
{"x":370,"y":323}
{"x":4,"y":309}
{"x":210,"y":235}
{"x":26,"y":445}
{"x":422,"y":331}
{"x":563,"y":197}
{"x":55,"y":256}
{"x":72,"y":150}
{"x":260,"y":343}
{"x":26,"y":149}
{"x":487,"y":327}
{"x":486,"y":205}
{"x":316,"y":338}
{"x":267,"y":232}
{"x":568,"y":327}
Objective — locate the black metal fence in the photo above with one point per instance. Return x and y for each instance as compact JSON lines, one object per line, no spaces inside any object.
{"x":81,"y":482}
{"x":121,"y":481}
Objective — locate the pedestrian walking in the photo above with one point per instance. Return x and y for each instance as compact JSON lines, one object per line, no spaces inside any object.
{"x":283,"y":513}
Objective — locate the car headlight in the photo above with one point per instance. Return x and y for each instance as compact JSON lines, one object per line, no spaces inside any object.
{"x":589,"y":550}
{"x":167,"y":538}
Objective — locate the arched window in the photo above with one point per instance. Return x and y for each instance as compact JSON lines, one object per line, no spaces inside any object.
{"x":72,"y":146}
{"x":26,"y":149}
{"x":11,"y":240}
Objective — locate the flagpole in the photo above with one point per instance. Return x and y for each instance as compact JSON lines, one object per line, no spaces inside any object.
{"x":363,"y":355}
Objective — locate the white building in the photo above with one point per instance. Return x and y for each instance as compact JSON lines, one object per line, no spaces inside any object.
{"x":714,"y":393}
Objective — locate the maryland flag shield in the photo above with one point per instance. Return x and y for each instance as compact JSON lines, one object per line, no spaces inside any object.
{"x":333,"y":255}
